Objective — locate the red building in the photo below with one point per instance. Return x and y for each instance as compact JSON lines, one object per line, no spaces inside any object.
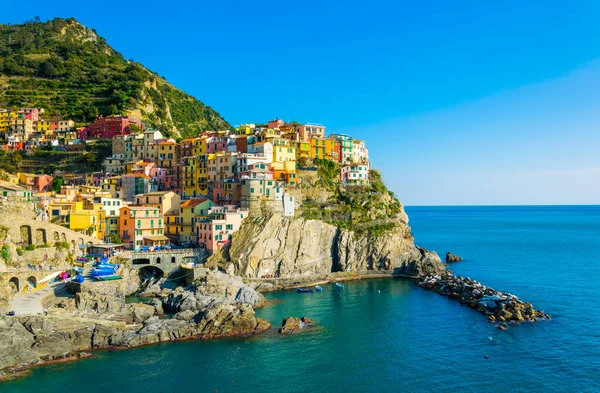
{"x":109,"y":127}
{"x":337,"y":151}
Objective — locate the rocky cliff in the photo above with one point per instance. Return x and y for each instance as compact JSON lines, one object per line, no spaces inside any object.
{"x":297,"y":246}
{"x":335,"y":229}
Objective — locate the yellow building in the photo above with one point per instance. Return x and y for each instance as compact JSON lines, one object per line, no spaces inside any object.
{"x":199,"y":146}
{"x":166,"y":154}
{"x":283,"y":149}
{"x":112,"y":186}
{"x":59,"y":210}
{"x":44,"y":126}
{"x":303,"y":150}
{"x":6,"y":119}
{"x":90,"y":222}
{"x":190,"y":212}
{"x":188,"y":176}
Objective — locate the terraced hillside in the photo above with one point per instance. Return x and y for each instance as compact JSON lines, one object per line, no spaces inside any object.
{"x":67,"y":69}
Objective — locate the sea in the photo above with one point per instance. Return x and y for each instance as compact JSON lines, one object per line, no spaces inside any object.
{"x":389,"y":335}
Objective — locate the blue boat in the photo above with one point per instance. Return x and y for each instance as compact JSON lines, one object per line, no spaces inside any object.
{"x":319,"y":289}
{"x":107,"y":266}
{"x":105,"y":271}
{"x":78,"y":269}
{"x":78,"y":278}
{"x":337,"y":284}
{"x":304,"y":290}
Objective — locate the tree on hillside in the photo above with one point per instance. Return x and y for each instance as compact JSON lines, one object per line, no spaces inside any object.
{"x":112,"y":110}
{"x":57,"y":183}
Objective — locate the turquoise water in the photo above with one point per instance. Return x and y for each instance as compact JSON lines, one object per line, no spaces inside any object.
{"x":389,"y":335}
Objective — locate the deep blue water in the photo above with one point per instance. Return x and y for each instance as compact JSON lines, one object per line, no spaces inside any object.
{"x":390,"y":335}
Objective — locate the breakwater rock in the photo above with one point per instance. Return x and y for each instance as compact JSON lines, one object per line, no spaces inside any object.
{"x":498,"y":306}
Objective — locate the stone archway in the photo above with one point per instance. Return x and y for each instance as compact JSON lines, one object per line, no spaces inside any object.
{"x":80,"y":241}
{"x":151,"y":271}
{"x":73,"y":245}
{"x":63,"y":237}
{"x":173,"y":260}
{"x":31,"y":280}
{"x":14,"y":284}
{"x":26,"y":234}
{"x":158,"y":260}
{"x":40,"y":236}
{"x":56,"y":236}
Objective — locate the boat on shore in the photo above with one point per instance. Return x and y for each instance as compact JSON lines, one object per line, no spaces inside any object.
{"x":318,"y":288}
{"x":337,"y":284}
{"x":109,"y":277}
{"x":304,"y":290}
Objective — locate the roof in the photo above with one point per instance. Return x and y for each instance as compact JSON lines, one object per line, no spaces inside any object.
{"x":11,"y":186}
{"x":193,"y":202}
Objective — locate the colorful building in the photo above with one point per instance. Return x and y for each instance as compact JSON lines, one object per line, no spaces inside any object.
{"x":323,"y":148}
{"x":142,"y":226}
{"x":217,"y":227}
{"x":308,"y":131}
{"x":346,"y":147}
{"x":189,"y":213}
{"x":109,"y":127}
{"x":355,"y":174}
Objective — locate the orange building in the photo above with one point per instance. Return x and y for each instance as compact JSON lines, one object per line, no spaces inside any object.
{"x":323,"y":148}
{"x":142,"y":226}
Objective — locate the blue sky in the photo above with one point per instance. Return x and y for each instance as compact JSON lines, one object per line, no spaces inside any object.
{"x":462,"y":102}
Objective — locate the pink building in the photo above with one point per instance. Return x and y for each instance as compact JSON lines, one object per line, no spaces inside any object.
{"x":215,"y":230}
{"x":162,"y":178}
{"x":214,"y":144}
{"x":226,"y":192}
{"x":32,"y":114}
{"x":42,"y":182}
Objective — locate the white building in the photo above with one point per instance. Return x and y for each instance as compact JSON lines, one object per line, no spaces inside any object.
{"x":355,"y":174}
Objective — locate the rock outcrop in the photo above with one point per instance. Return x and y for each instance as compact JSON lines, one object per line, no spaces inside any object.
{"x":97,"y":316}
{"x":498,"y":306}
{"x":451,"y":258}
{"x":294,"y":325}
{"x":292,"y":247}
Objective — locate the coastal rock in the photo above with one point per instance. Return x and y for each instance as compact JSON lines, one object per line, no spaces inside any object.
{"x":217,"y":284}
{"x":101,"y":304}
{"x":451,"y":258}
{"x":293,"y":325}
{"x":158,"y":306}
{"x":141,"y":312}
{"x":292,"y":247}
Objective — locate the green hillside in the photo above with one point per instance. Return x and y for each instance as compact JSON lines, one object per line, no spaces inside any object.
{"x":67,"y":69}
